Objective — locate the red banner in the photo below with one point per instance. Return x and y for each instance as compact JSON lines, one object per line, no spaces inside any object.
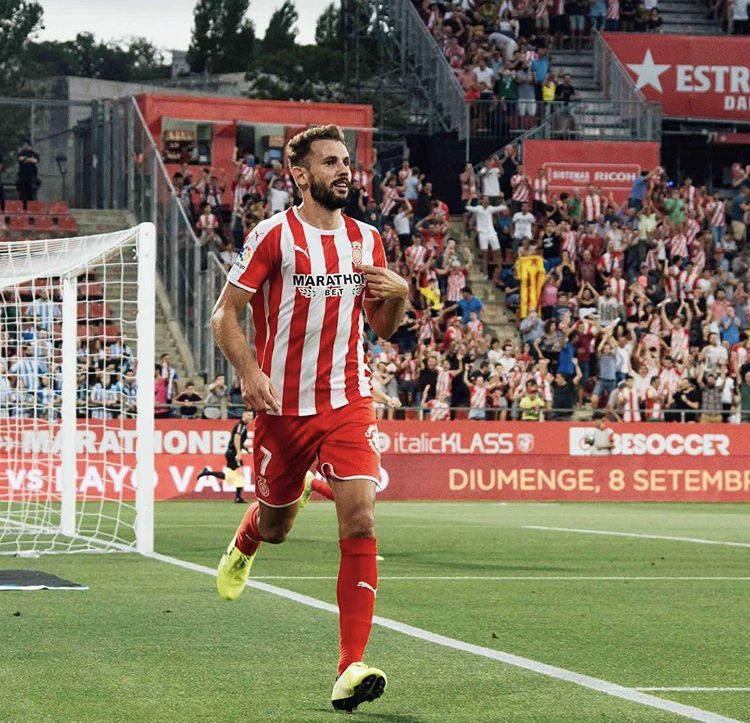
{"x":573,"y":165}
{"x":690,"y":75}
{"x":422,"y":461}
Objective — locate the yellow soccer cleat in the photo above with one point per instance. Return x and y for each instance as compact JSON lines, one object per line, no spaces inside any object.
{"x":307,"y":491}
{"x":357,"y":684}
{"x":233,"y":571}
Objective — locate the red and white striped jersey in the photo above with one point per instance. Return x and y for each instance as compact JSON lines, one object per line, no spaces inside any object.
{"x":688,"y":193}
{"x":618,"y":286}
{"x":456,"y":282}
{"x":364,"y":179}
{"x":654,"y":404}
{"x":592,"y":205}
{"x":542,"y":9}
{"x":307,"y":308}
{"x":679,"y":343}
{"x":717,"y":209}
{"x":475,"y":328}
{"x":478,"y":398}
{"x":687,"y":282}
{"x":692,"y":230}
{"x":610,"y":261}
{"x":698,"y":257}
{"x":631,"y":412}
{"x":570,"y":244}
{"x":439,"y":411}
{"x":669,"y":380}
{"x":207,"y":222}
{"x":541,"y":189}
{"x":678,"y":246}
{"x":520,"y":186}
{"x":390,"y":196}
{"x":672,"y":283}
{"x":409,"y":370}
{"x":416,"y":256}
{"x":613,"y":9}
{"x":444,"y":383}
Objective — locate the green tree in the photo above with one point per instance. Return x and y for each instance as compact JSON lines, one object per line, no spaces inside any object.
{"x":19,"y":20}
{"x":223,"y":37}
{"x":328,"y":28}
{"x":281,"y":32}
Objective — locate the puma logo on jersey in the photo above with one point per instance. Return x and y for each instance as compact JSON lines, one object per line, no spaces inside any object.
{"x":367,"y":585}
{"x":302,"y":251}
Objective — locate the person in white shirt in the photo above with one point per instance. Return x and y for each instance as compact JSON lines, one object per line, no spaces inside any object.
{"x":523,"y":226}
{"x":490,"y":175}
{"x":483,"y":213}
{"x":278,"y":198}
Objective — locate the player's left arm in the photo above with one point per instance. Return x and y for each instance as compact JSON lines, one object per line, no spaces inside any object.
{"x":386,"y":293}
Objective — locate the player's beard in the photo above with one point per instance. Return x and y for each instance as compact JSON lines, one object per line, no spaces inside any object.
{"x":325,"y":196}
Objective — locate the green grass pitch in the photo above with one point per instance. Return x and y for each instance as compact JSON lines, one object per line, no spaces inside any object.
{"x":152,"y":642}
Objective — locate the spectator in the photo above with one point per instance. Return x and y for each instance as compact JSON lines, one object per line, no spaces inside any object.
{"x":215,"y":406}
{"x":532,"y":403}
{"x":187,"y":401}
{"x":28,"y":181}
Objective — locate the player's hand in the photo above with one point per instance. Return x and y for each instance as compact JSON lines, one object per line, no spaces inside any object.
{"x":259,"y":394}
{"x":383,"y":283}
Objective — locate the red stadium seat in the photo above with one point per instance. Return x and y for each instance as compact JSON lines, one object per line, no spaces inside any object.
{"x":43,"y":223}
{"x":14,"y":207}
{"x":111,"y":332}
{"x":67,"y":223}
{"x":90,"y":290}
{"x":58,"y":208}
{"x":93,"y":311}
{"x":36,"y":206}
{"x":18,"y":223}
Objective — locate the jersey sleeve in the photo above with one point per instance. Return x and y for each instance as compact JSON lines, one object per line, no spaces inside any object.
{"x":260,"y":255}
{"x":378,"y":252}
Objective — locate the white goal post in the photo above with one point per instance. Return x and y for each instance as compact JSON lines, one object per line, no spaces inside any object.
{"x":77,"y":369}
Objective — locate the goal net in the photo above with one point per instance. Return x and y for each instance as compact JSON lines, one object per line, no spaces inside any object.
{"x":77,"y":393}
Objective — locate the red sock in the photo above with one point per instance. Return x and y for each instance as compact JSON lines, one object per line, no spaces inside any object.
{"x":248,"y":538}
{"x":322,"y":488}
{"x":355,"y":592}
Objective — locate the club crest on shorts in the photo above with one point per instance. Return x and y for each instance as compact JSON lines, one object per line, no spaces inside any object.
{"x":261,"y":487}
{"x":357,"y":252}
{"x":372,"y":437}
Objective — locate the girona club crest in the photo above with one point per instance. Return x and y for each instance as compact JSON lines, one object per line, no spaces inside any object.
{"x":525,"y":443}
{"x":372,"y":437}
{"x":356,"y":252}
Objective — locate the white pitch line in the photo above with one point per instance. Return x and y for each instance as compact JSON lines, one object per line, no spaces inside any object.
{"x":551,"y":671}
{"x":611,"y":533}
{"x":521,"y":578}
{"x":697,"y":690}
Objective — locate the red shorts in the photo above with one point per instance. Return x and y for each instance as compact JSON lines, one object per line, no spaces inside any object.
{"x":344,"y":441}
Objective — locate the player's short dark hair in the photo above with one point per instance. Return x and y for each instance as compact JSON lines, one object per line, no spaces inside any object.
{"x":298,"y":147}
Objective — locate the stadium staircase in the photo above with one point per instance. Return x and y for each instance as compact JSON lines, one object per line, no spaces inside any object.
{"x":687,"y":17}
{"x":169,"y":337}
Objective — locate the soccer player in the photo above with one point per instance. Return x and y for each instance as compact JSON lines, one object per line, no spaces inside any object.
{"x":309,"y":273}
{"x":233,"y":468}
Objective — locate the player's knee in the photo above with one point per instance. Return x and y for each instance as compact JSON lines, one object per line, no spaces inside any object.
{"x":359,"y":524}
{"x":275,"y":534}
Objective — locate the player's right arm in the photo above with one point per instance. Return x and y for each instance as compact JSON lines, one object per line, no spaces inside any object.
{"x":260,"y":258}
{"x":257,"y":390}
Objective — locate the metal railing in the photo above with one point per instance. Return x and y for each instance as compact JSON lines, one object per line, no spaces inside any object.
{"x":424,"y":68}
{"x":617,"y":86}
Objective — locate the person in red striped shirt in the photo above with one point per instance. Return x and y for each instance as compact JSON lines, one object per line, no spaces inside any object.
{"x":311,"y":275}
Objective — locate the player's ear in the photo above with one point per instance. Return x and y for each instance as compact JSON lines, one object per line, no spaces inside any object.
{"x":301,"y":177}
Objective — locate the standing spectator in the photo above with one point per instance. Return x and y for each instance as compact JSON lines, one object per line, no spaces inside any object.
{"x":28,"y":173}
{"x":740,"y":25}
{"x":483,"y":213}
{"x":565,"y":394}
{"x":215,"y":406}
{"x":627,"y":15}
{"x":278,"y":197}
{"x":169,"y":374}
{"x":187,"y":401}
{"x":469,"y":303}
{"x":526,"y":92}
{"x":576,"y":10}
{"x":523,"y":226}
{"x":532,"y":403}
{"x":598,"y":13}
{"x":490,"y":177}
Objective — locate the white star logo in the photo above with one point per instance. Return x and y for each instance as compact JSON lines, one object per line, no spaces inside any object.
{"x":648,"y":72}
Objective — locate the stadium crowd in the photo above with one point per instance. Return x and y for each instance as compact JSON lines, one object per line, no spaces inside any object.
{"x":642,"y":307}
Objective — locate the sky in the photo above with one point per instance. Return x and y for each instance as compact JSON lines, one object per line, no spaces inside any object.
{"x":166,"y":23}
